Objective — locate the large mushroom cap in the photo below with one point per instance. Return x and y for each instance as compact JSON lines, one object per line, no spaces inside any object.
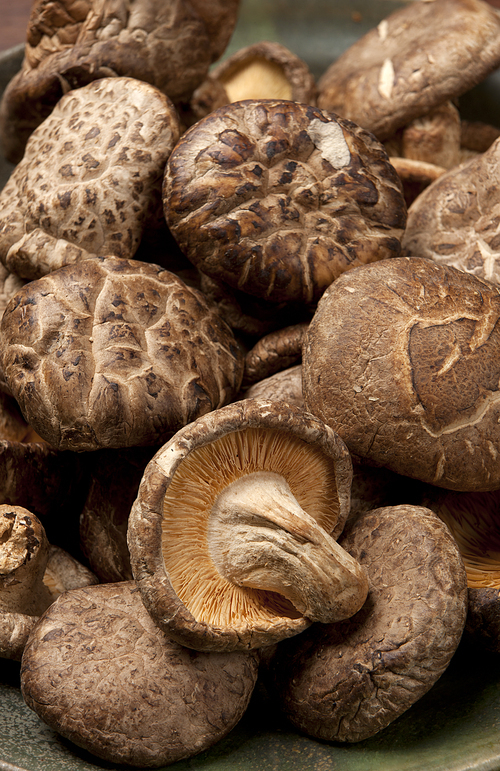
{"x":233,"y":528}
{"x":98,"y":671}
{"x":402,"y":360}
{"x":416,"y":59}
{"x":277,"y":198}
{"x":115,"y":353}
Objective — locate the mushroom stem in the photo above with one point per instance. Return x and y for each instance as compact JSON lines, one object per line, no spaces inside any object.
{"x":260,"y":537}
{"x":24,"y":550}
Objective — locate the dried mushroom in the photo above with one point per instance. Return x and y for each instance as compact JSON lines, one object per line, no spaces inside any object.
{"x":434,"y":137}
{"x":285,"y":386}
{"x":32,"y":575}
{"x":277,"y":199}
{"x":415,"y":176}
{"x":345,"y":682}
{"x":420,"y":56}
{"x":97,"y":670}
{"x":456,"y":219}
{"x":402,"y":360}
{"x":167,"y":43}
{"x":115,"y":353}
{"x":232,"y":534}
{"x":266,"y":70}
{"x":89,"y":178}
{"x":274,"y":352}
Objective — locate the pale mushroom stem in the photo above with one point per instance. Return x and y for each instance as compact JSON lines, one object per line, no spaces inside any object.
{"x":260,"y":537}
{"x":24,"y":552}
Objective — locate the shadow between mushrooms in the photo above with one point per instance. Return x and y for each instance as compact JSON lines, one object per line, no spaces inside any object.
{"x":232,"y":535}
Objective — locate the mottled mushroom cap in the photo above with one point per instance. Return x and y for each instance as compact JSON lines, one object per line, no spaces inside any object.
{"x":115,"y":353}
{"x":277,"y":198}
{"x":168,"y":43}
{"x":345,"y":682}
{"x":402,"y":359}
{"x":415,"y":59}
{"x":456,"y":220}
{"x":90,"y":177}
{"x":100,"y":673}
{"x":169,"y":523}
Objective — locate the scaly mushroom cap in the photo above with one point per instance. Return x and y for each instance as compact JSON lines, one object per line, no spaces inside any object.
{"x":98,"y":671}
{"x":277,"y":198}
{"x":89,"y":179}
{"x":420,"y":56}
{"x":115,"y":353}
{"x":347,"y":681}
{"x":231,"y":536}
{"x":402,"y":359}
{"x":456,"y":220}
{"x":168,"y":43}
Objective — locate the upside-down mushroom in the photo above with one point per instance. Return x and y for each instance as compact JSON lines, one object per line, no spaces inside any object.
{"x":232,"y":534}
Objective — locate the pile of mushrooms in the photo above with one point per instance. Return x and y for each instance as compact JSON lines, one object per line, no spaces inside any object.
{"x":250,"y":333}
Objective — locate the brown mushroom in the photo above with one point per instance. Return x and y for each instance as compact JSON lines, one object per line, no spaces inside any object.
{"x":277,"y":199}
{"x":345,"y":682}
{"x":32,"y":575}
{"x":456,"y":219}
{"x":434,"y":137}
{"x":232,"y":534}
{"x":167,"y":43}
{"x":266,"y":70}
{"x":115,"y":353}
{"x":89,"y":179}
{"x":402,"y":360}
{"x":98,"y":671}
{"x":285,"y":385}
{"x":420,"y":56}
{"x":274,"y":352}
{"x":415,"y":176}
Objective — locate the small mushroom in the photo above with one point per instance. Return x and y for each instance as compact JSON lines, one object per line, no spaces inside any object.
{"x":277,"y":199}
{"x":32,"y":574}
{"x":99,"y":672}
{"x":274,"y":352}
{"x":232,"y":534}
{"x":115,"y":353}
{"x":420,"y":56}
{"x":89,"y":179}
{"x":266,"y":70}
{"x":285,"y":386}
{"x":345,"y":682}
{"x":456,"y":220}
{"x":402,"y":360}
{"x":434,"y":137}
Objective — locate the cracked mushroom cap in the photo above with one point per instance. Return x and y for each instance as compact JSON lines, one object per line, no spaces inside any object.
{"x":402,"y":360}
{"x":456,"y":220}
{"x":98,"y":671}
{"x":277,"y":198}
{"x":89,"y":179}
{"x":167,"y":43}
{"x":345,"y":682}
{"x":415,"y":59}
{"x":115,"y":353}
{"x":232,"y":535}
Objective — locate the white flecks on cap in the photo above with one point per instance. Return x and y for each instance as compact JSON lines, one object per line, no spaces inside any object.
{"x":330,"y":141}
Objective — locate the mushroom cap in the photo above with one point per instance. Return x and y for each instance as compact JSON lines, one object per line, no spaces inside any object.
{"x":345,"y":682}
{"x":402,"y":360}
{"x":98,"y":671}
{"x":418,"y":57}
{"x":114,"y":353}
{"x":167,"y":536}
{"x":90,"y":177}
{"x":456,"y":220}
{"x":285,"y":386}
{"x":168,"y":44}
{"x":277,"y":198}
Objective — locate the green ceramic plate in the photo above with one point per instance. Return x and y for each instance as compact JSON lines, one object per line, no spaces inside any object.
{"x":456,"y":726}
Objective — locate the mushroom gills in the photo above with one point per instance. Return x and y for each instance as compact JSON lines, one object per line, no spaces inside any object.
{"x":257,"y":78}
{"x":260,"y":537}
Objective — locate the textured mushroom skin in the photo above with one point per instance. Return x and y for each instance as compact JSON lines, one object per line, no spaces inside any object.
{"x":456,"y":220}
{"x":274,"y":352}
{"x":278,"y":198}
{"x":145,"y":522}
{"x":115,"y":353}
{"x":90,"y":178}
{"x":169,"y":44}
{"x":417,"y":58}
{"x":98,"y":671}
{"x":347,"y":681}
{"x":401,"y":359}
